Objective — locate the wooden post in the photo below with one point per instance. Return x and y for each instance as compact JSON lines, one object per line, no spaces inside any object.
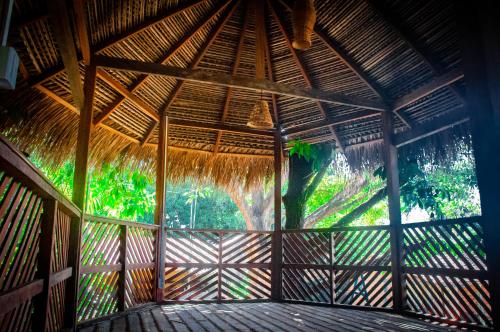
{"x":41,"y":312}
{"x":122,"y":283}
{"x":392,"y":173}
{"x":82,"y":145}
{"x":276,"y":255}
{"x":79,"y":189}
{"x":161,"y":190}
{"x":219,"y":269}
{"x":480,"y":28}
{"x":72,"y":287}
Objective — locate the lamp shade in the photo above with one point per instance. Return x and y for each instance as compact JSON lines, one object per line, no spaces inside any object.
{"x":304,"y":18}
{"x":260,"y":117}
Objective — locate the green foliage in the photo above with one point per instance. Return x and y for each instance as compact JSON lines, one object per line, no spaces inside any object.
{"x":130,"y":195}
{"x":318,"y":153}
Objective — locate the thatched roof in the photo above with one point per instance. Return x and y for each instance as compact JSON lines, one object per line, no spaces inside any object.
{"x":380,"y":51}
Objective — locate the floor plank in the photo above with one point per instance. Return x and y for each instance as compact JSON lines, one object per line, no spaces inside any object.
{"x":264,"y":316}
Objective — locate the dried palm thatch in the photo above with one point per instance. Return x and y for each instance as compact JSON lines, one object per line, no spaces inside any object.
{"x":360,"y":49}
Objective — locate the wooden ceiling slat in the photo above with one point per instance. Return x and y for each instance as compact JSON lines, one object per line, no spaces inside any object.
{"x":304,"y":73}
{"x":171,"y":52}
{"x":113,"y":41}
{"x":234,"y":71}
{"x":59,"y":19}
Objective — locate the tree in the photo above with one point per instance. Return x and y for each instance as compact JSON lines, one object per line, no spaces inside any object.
{"x":307,"y":166}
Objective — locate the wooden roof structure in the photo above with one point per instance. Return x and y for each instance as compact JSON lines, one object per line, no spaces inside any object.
{"x":367,"y":58}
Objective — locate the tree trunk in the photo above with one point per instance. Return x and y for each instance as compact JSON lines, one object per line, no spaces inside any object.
{"x":351,"y":216}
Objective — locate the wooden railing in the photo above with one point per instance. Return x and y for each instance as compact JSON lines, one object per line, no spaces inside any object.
{"x":45,"y":247}
{"x":214,"y":265}
{"x":38,"y":248}
{"x":117,"y":266}
{"x":445,"y":271}
{"x":348,"y":266}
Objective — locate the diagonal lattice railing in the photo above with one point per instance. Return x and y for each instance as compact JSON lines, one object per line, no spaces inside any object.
{"x":349,"y":266}
{"x":446,"y":274}
{"x":205,"y":265}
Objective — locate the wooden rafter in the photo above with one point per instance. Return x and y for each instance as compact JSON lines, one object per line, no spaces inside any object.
{"x":456,"y":117}
{"x":81,"y":29}
{"x":407,"y":36}
{"x":229,"y":92}
{"x":115,"y":40}
{"x":304,"y":73}
{"x":425,"y":90}
{"x":248,"y":83}
{"x":347,"y":60}
{"x":419,"y":93}
{"x":314,"y":126}
{"x":62,"y":33}
{"x":166,"y":58}
{"x":196,"y":61}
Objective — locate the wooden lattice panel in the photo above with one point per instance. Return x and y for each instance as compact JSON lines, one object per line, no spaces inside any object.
{"x":362,"y":247}
{"x":98,"y":295}
{"x":100,"y":243}
{"x":456,"y":299}
{"x":217,"y":265}
{"x":18,"y":319}
{"x":20,"y":213}
{"x":372,"y":289}
{"x":446,"y":271}
{"x":192,"y":247}
{"x":447,"y":246}
{"x":308,"y":285}
{"x":140,"y":261}
{"x":245,"y":284}
{"x":306,"y":248}
{"x":191,"y":284}
{"x":58,"y":263}
{"x":246,"y":248}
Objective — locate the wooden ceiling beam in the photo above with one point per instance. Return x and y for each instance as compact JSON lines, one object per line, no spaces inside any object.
{"x":115,"y":40}
{"x":148,"y":110}
{"x":346,"y":59}
{"x":304,"y":73}
{"x":81,"y":29}
{"x":314,"y":126}
{"x":234,"y":71}
{"x":408,"y":36}
{"x":220,"y":79}
{"x":61,"y":29}
{"x":425,"y":90}
{"x":223,"y":127}
{"x":203,"y":50}
{"x":455,"y":117}
{"x":164,"y":59}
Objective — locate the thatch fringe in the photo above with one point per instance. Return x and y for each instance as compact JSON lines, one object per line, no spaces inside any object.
{"x":440,"y":149}
{"x":41,"y":133}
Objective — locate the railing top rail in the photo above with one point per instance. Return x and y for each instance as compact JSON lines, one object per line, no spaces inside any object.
{"x":338,"y":229}
{"x":208,"y":230}
{"x":16,"y":164}
{"x":92,"y":218}
{"x":467,"y":220}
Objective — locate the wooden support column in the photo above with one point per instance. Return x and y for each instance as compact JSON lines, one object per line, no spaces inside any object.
{"x":277,"y":255}
{"x":480,"y":28}
{"x":392,"y":173}
{"x":82,"y":145}
{"x":161,"y":190}
{"x":41,"y":312}
{"x":79,"y":189}
{"x":122,"y":281}
{"x":72,"y":286}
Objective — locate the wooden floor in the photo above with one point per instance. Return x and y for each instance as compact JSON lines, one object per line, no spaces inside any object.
{"x":258,"y":317}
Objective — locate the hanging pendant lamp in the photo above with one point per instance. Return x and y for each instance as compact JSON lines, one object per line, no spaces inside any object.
{"x":260,"y":116}
{"x":304,"y":18}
